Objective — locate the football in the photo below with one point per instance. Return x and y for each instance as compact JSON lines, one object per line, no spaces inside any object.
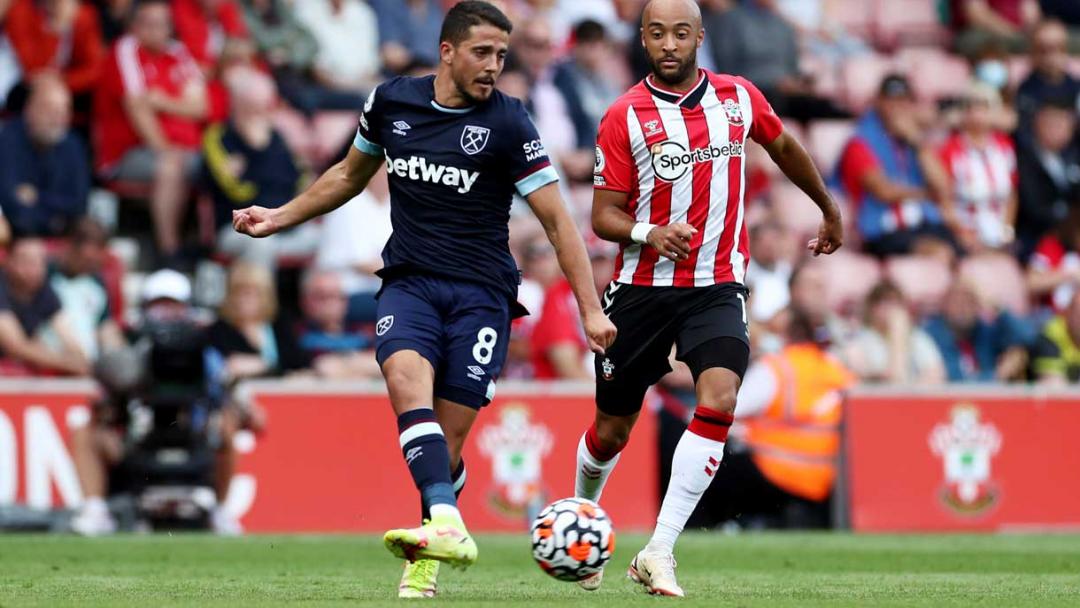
{"x":572,"y":539}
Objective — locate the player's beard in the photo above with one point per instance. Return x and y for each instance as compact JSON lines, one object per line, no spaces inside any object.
{"x":686,"y":68}
{"x":463,"y":88}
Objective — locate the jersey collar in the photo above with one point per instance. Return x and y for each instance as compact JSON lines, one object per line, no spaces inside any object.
{"x":688,"y":99}
{"x":438,"y":106}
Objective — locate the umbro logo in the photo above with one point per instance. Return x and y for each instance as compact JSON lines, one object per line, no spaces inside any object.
{"x":400,"y":127}
{"x":475,"y":371}
{"x":413,"y":454}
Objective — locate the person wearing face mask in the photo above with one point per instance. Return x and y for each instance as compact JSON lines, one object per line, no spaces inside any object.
{"x":45,"y":177}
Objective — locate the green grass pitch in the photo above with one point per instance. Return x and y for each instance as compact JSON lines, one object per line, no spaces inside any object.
{"x":716,"y":570}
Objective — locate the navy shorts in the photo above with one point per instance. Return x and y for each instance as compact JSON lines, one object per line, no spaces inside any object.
{"x":461,"y":328}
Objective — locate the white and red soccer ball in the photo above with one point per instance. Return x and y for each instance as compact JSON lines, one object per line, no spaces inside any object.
{"x":572,"y":539}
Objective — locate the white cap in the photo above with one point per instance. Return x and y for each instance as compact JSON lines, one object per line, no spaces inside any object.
{"x":166,"y":284}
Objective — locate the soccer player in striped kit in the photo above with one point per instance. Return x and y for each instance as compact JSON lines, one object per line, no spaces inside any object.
{"x":668,"y":186}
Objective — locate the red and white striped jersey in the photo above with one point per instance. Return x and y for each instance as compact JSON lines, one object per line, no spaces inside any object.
{"x":681,"y":158}
{"x":984,"y":179}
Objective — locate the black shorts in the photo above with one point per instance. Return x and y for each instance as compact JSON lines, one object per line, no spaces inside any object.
{"x":707,"y":325}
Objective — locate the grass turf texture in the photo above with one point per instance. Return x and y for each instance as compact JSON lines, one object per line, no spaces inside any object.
{"x":716,"y":570}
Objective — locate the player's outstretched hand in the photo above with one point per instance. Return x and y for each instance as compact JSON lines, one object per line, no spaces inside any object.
{"x":830,"y":237}
{"x":599,"y":330}
{"x":672,"y":241}
{"x":254,"y":221}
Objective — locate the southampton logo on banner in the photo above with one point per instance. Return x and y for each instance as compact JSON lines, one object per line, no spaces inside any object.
{"x":966,"y":446}
{"x":517,"y":447}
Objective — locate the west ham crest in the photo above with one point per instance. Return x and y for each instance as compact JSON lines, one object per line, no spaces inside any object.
{"x":473,"y":139}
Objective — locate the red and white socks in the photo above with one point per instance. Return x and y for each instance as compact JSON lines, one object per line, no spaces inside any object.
{"x":697,"y":457}
{"x":594,"y":466}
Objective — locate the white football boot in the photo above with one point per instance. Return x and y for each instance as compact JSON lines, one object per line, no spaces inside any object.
{"x":656,"y":572}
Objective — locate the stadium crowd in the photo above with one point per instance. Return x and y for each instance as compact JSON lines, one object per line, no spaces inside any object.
{"x":132,"y":128}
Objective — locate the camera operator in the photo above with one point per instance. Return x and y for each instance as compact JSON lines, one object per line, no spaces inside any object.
{"x":166,"y":372}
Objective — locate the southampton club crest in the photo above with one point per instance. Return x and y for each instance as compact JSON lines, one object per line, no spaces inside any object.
{"x":966,"y":446}
{"x":474,"y":139}
{"x":733,"y":112}
{"x":517,"y":447}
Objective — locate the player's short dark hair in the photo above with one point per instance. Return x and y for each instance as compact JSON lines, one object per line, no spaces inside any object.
{"x":464,"y":15}
{"x":589,"y":30}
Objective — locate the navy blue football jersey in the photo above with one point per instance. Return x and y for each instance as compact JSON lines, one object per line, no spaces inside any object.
{"x":453,"y":173}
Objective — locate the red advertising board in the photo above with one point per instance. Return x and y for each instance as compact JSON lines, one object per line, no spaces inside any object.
{"x":990,"y":459}
{"x":329,"y":460}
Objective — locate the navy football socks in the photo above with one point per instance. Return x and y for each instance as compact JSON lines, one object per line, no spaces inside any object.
{"x":424,"y":447}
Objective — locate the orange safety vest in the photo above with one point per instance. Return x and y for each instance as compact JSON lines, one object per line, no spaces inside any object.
{"x":795,"y":441}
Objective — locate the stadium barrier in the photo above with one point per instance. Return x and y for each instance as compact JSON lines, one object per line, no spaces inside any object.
{"x":329,"y":459}
{"x":962,"y":458}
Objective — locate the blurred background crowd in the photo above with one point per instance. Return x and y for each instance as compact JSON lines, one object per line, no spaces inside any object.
{"x":946,"y":129}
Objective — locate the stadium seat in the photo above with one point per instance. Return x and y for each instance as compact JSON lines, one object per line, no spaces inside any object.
{"x":826,"y":140}
{"x":856,"y":16}
{"x":936,"y":74}
{"x":792,"y":207}
{"x":851,"y":276}
{"x":861,"y":78}
{"x":295,"y":131}
{"x":331,"y":131}
{"x":903,"y":22}
{"x":922,"y":279}
{"x":1000,"y":279}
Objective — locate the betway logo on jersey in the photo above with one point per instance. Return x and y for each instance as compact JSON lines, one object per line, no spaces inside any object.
{"x":671,"y":160}
{"x":418,"y":168}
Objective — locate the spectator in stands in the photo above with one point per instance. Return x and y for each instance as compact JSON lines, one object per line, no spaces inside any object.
{"x":290,"y":50}
{"x":585,"y":82}
{"x":35,"y":333}
{"x":1049,"y":77}
{"x":336,"y":348}
{"x":248,"y":163}
{"x":808,"y":285}
{"x":147,"y":118}
{"x":357,"y":260}
{"x":768,"y":277}
{"x":112,"y":17}
{"x":204,"y":26}
{"x":752,"y":40}
{"x":891,"y":347}
{"x":247,"y":337}
{"x":533,"y":48}
{"x":76,"y":279}
{"x":1049,"y":172}
{"x":559,"y":349}
{"x":781,"y":464}
{"x":348,"y":37}
{"x":44,"y":177}
{"x":820,"y":36}
{"x":978,"y":344}
{"x":57,"y":36}
{"x":981,"y":164}
{"x":1055,"y":356}
{"x":978,"y":23}
{"x":893,"y":177}
{"x":406,"y":31}
{"x":1054,"y":268}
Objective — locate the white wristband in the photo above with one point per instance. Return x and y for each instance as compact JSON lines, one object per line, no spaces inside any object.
{"x":640,"y":233}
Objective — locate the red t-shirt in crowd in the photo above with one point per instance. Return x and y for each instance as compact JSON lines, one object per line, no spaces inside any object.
{"x":1052,"y":254}
{"x":77,"y":53}
{"x":1010,"y":10}
{"x":203,"y":35}
{"x":558,"y":324}
{"x":133,"y":70}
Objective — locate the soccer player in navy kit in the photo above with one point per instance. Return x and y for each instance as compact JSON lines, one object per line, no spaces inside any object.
{"x":456,"y":151}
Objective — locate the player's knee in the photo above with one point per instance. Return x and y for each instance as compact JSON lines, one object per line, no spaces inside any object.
{"x":718,"y":389}
{"x":613,"y":432}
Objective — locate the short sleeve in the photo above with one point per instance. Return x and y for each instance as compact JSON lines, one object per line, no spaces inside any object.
{"x":367,"y":133}
{"x":614,"y":168}
{"x":50,"y":303}
{"x":1046,"y":357}
{"x":529,"y":163}
{"x":766,"y":125}
{"x":858,"y":159}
